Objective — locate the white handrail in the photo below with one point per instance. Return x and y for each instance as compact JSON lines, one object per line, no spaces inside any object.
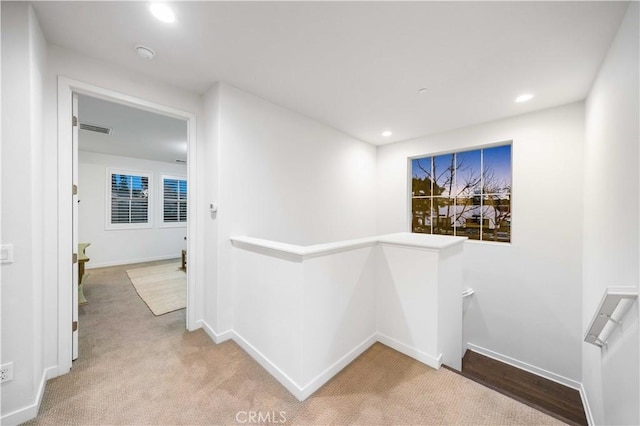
{"x":604,"y":315}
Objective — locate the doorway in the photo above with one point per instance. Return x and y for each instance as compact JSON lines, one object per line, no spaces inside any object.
{"x":132,"y":199}
{"x":67,"y":306}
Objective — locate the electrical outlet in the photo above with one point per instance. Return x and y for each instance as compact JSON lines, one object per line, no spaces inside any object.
{"x":6,"y":372}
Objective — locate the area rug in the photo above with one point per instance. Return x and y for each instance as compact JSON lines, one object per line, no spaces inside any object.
{"x":163,"y":287}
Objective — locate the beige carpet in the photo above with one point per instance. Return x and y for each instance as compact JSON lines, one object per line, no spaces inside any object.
{"x":138,"y":369}
{"x":162,"y":287}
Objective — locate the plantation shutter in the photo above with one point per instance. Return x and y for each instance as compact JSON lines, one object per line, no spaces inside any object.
{"x":129,"y":199}
{"x":174,"y":200}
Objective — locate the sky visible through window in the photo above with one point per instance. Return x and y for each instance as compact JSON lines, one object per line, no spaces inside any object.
{"x":465,"y":193}
{"x":497,"y":159}
{"x":137,"y":182}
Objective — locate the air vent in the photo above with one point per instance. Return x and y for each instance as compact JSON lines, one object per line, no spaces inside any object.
{"x":181,"y":161}
{"x":95,"y":128}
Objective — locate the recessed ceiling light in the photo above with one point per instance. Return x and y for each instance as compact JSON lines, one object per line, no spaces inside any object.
{"x":145,"y":52}
{"x":162,"y":12}
{"x":524,"y":98}
{"x":423,"y":91}
{"x":386,"y":133}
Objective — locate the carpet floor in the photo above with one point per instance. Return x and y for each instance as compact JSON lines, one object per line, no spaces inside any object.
{"x":139,"y":369}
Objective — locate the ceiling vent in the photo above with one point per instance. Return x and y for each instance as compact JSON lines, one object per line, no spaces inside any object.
{"x":96,"y":128}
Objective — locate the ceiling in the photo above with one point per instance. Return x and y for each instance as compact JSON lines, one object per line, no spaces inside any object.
{"x":136,"y":133}
{"x":358,"y":66}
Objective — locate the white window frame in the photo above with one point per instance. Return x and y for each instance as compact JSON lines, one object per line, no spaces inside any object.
{"x":163,"y":224}
{"x":150,"y":201}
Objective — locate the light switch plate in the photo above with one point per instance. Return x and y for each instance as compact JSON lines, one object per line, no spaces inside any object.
{"x":6,"y":253}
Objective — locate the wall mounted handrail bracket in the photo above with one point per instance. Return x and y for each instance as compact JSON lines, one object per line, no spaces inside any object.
{"x":598,"y":332}
{"x":468,"y":292}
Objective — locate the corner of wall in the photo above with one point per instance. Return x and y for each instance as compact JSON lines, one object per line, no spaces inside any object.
{"x":30,"y":411}
{"x":24,"y":55}
{"x":585,"y":403}
{"x":611,"y":255}
{"x":209,"y":175}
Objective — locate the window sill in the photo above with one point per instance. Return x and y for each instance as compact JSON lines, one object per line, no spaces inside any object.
{"x":173,"y":225}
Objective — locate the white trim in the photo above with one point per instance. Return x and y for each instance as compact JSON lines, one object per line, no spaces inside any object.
{"x":526,"y":367}
{"x":52,"y":372}
{"x":216,"y":337}
{"x":303,"y":392}
{"x":297,"y":253}
{"x":322,"y":378}
{"x":130,"y":261}
{"x":585,"y":404}
{"x":66,"y":87}
{"x":279,"y":375}
{"x":29,"y":412}
{"x":65,"y":225}
{"x":430,"y":360}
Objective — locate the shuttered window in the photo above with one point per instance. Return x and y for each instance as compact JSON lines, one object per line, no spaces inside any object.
{"x":129,"y":200}
{"x":174,"y":201}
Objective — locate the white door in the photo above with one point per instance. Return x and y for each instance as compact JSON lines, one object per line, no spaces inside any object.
{"x":74,"y":286}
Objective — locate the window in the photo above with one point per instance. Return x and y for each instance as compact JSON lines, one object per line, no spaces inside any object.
{"x":128,"y":195}
{"x":174,"y":201}
{"x":464,"y":193}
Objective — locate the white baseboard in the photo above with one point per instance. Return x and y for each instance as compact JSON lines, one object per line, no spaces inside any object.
{"x":303,"y":392}
{"x":30,"y":411}
{"x":430,"y":360}
{"x":55,"y":371}
{"x":216,"y":337}
{"x":526,"y":367}
{"x":322,"y":378}
{"x":94,"y":265}
{"x":585,"y":404}
{"x":279,"y":375}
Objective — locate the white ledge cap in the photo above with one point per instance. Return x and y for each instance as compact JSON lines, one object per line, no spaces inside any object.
{"x":295,"y":252}
{"x":434,"y":242}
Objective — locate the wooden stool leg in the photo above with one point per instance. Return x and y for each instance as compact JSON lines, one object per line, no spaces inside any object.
{"x":184,"y":260}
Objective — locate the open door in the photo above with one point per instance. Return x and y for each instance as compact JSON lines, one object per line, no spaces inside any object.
{"x":74,"y":285}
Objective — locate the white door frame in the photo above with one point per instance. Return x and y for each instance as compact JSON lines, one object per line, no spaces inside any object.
{"x":75,"y":133}
{"x":66,"y":87}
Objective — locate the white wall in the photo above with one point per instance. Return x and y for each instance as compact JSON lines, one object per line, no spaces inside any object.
{"x":418,"y":302}
{"x":210,"y":178}
{"x":269,"y":313}
{"x":527,"y":303}
{"x":123,"y":246}
{"x":304,"y":317}
{"x":339,"y":311}
{"x":535,"y":297}
{"x":284,"y":177}
{"x":287,"y":177}
{"x":305,"y":320}
{"x":24,"y":53}
{"x":611,"y":230}
{"x":62,"y":62}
